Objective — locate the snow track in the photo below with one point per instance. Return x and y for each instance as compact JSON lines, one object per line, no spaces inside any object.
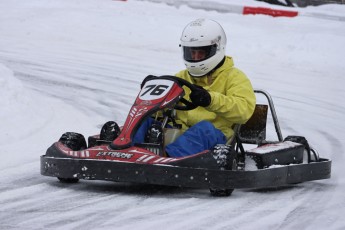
{"x":72,"y":65}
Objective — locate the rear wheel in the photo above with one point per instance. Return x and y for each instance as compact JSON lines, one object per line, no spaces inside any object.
{"x":307,"y":158}
{"x":226,"y":158}
{"x":221,"y":192}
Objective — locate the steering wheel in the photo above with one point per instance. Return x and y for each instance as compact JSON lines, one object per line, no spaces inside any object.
{"x":187,"y":105}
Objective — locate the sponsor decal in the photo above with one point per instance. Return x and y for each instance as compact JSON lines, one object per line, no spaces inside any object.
{"x":115,"y":155}
{"x":146,"y":103}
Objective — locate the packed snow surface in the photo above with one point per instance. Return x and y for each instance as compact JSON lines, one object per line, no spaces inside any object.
{"x":72,"y":65}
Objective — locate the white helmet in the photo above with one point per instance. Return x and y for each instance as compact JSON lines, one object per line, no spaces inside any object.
{"x":206,"y":35}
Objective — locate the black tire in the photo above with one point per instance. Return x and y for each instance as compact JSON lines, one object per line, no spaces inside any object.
{"x":74,"y":141}
{"x":227,"y":159}
{"x":109,"y":131}
{"x":221,"y":192}
{"x":303,"y":141}
{"x":68,"y":180}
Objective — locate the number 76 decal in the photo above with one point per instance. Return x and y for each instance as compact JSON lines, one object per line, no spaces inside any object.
{"x":154,"y":90}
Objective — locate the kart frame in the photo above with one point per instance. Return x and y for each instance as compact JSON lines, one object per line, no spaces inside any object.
{"x":198,"y":171}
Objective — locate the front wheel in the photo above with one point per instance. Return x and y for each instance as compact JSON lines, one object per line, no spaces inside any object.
{"x":74,"y":141}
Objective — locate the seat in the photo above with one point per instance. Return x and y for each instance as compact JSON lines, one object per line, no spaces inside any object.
{"x":254,"y":130}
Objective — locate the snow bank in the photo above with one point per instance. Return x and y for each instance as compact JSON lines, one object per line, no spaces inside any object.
{"x":11,"y":89}
{"x":15,"y":103}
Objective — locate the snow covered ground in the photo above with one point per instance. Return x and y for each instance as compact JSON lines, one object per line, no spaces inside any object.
{"x":71,"y":65}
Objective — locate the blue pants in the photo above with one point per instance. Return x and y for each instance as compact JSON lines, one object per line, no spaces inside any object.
{"x":201,"y":136}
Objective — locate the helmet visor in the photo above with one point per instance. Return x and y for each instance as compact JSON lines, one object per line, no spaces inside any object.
{"x":198,"y":54}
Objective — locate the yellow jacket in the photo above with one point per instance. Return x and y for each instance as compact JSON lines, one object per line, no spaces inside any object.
{"x":232,"y":98}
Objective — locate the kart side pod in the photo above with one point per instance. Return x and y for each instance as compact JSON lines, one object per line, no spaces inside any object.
{"x":281,"y":153}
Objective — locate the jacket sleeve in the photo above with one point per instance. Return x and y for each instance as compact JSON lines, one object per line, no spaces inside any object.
{"x":238,"y":103}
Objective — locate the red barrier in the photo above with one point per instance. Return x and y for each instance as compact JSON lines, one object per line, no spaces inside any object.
{"x":268,"y":11}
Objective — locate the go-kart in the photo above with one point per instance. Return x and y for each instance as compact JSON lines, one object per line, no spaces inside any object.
{"x":221,"y":169}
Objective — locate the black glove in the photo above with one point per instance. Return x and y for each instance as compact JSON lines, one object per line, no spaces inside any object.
{"x":147,"y":78}
{"x":200,"y":97}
